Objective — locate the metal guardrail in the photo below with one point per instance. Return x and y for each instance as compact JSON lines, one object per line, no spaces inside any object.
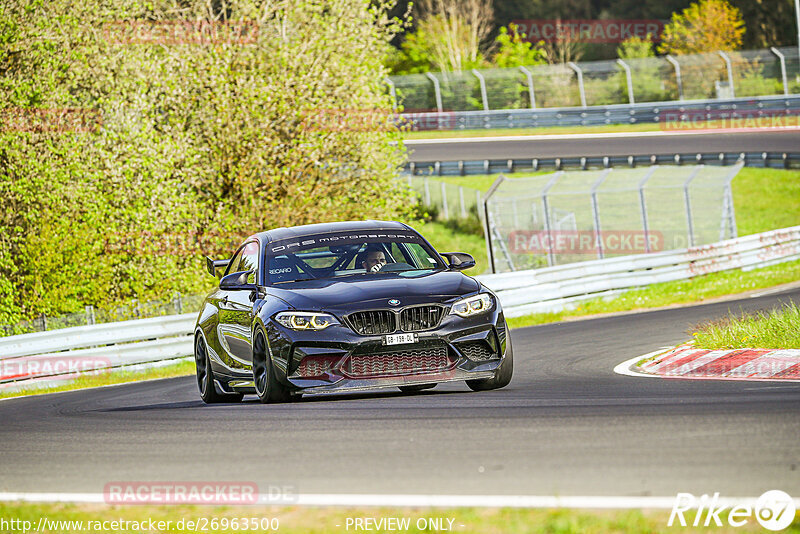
{"x":521,"y":292}
{"x":32,"y":357}
{"x":677,"y":115}
{"x":554,"y":288}
{"x":775,"y":160}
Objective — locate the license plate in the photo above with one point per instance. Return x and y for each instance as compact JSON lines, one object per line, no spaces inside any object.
{"x":400,"y":339}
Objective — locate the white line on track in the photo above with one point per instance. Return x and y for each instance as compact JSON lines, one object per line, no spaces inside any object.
{"x":418,"y":501}
{"x":557,"y":137}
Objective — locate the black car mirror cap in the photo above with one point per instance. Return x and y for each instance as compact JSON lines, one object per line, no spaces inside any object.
{"x":459,"y":261}
{"x":237,"y":282}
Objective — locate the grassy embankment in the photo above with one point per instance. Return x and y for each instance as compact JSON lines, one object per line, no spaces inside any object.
{"x":775,"y":329}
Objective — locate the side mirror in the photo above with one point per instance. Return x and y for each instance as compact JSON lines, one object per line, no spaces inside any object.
{"x":459,"y":261}
{"x":214,"y":266}
{"x":236,"y":282}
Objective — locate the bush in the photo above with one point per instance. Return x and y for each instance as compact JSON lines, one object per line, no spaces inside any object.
{"x":179,"y":148}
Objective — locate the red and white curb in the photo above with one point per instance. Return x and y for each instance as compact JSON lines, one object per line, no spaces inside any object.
{"x":685,"y":361}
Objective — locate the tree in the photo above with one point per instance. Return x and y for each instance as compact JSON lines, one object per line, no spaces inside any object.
{"x":705,"y":26}
{"x":514,"y":51}
{"x":204,"y":138}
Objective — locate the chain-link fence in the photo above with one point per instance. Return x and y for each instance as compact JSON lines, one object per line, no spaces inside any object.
{"x":719,"y":75}
{"x":572,"y":216}
{"x":445,"y":200}
{"x":133,"y":309}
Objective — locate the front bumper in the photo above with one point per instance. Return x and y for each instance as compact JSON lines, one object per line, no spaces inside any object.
{"x":338,"y":359}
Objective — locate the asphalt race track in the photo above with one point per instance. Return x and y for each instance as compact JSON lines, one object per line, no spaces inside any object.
{"x":603,"y":145}
{"x":566,"y":425}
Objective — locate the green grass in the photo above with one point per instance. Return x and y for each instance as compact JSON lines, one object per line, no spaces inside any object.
{"x":690,"y":291}
{"x":776,"y":329}
{"x":294,"y":519}
{"x":444,"y":239}
{"x":179,"y":368}
{"x":548,"y":130}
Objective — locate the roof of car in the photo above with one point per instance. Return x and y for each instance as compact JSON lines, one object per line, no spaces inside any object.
{"x":277,"y":234}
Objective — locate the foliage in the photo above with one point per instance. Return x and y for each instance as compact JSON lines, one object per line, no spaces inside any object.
{"x":201,"y":140}
{"x":635,"y":47}
{"x":513,"y":51}
{"x":705,"y":26}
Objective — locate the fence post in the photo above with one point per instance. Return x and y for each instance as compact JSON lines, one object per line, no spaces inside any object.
{"x":427,"y":190}
{"x":547,"y":226}
{"x":531,"y":94}
{"x":596,"y":213}
{"x":643,"y":206}
{"x":461,"y":199}
{"x":579,"y":72}
{"x":677,"y":75}
{"x":729,"y":65}
{"x":445,"y":210}
{"x":629,"y":79}
{"x":487,"y":230}
{"x":688,"y":202}
{"x":43,"y":319}
{"x":484,"y":95}
{"x":393,"y":92}
{"x":782,"y":59}
{"x":437,"y":90}
{"x":90,"y":319}
{"x":178,"y":301}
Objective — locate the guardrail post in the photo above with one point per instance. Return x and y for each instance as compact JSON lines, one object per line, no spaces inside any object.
{"x":678,"y":78}
{"x":487,"y":223}
{"x":531,"y":94}
{"x":782,"y":59}
{"x":596,"y":214}
{"x":629,"y":79}
{"x":643,"y":206}
{"x":437,"y":91}
{"x":445,"y":210}
{"x":393,"y":92}
{"x":547,"y":226}
{"x":729,"y":65}
{"x":579,"y":72}
{"x":484,"y":95}
{"x":90,"y":318}
{"x":688,"y":202}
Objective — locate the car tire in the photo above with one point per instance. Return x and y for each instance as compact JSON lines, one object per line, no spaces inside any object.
{"x":414,"y":389}
{"x":205,"y":377}
{"x":268,"y":389}
{"x":503,"y":375}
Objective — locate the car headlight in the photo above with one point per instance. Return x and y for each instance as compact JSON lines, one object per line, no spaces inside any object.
{"x":306,"y":320}
{"x":474,"y":305}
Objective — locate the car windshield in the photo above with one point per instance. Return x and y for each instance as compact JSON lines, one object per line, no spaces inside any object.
{"x":348,"y":254}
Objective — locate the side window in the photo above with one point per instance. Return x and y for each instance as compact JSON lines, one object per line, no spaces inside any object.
{"x":424,"y":260}
{"x":249,"y":261}
{"x":233,"y":265}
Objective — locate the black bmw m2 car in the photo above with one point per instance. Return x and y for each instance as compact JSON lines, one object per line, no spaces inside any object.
{"x":347,"y":306}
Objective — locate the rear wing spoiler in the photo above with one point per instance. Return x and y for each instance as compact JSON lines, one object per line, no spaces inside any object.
{"x":214,"y":265}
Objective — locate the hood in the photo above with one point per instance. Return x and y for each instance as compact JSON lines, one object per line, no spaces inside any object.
{"x":374,"y":291}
